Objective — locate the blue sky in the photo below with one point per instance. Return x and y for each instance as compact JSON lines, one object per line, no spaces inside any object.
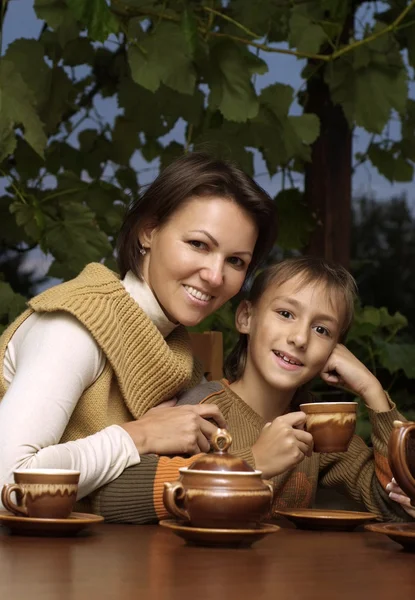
{"x":21,"y":21}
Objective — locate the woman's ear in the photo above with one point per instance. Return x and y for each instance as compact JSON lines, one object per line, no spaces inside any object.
{"x":146,"y":234}
{"x":243,"y":316}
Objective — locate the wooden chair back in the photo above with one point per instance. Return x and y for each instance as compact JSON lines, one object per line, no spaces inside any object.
{"x":208,"y":348}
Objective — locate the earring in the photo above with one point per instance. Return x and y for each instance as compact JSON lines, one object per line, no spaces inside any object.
{"x":143,"y":251}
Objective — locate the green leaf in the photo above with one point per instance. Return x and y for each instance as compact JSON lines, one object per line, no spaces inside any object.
{"x":127,"y":178}
{"x":74,"y":221}
{"x":11,"y":303}
{"x":96,"y":16}
{"x":189,"y":29}
{"x":97,"y":151}
{"x":226,"y":140}
{"x":372,"y":71}
{"x":394,"y":168}
{"x":281,"y":137}
{"x":17,"y":105}
{"x":28,"y":59}
{"x":162,"y":56}
{"x":26,"y":216}
{"x":28,"y":162}
{"x":78,"y":52}
{"x":152,"y":149}
{"x":61,"y":95}
{"x":295,"y":222}
{"x":396,"y":357}
{"x":307,"y":127}
{"x":231,"y":89}
{"x":125,"y":140}
{"x":54,"y":12}
{"x":262,"y":17}
{"x":7,"y":137}
{"x":305,"y":35}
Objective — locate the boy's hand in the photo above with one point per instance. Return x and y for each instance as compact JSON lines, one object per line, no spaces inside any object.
{"x":396,"y":494}
{"x":283,"y":443}
{"x":345,"y":370}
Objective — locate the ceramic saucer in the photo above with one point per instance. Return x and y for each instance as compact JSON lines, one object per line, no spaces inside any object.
{"x":328,"y":520}
{"x":48,"y":527}
{"x":402,"y":533}
{"x":219,"y":537}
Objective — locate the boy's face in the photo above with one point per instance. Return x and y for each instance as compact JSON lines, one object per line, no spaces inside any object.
{"x":292,"y":330}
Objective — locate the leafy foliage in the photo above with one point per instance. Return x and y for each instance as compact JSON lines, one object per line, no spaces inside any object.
{"x":181,"y":75}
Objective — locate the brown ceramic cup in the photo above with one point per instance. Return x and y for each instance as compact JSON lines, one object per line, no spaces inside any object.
{"x":42,"y":493}
{"x":401,"y":454}
{"x":332,"y":424}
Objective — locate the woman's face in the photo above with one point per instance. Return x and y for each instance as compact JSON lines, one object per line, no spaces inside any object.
{"x":197,"y":260}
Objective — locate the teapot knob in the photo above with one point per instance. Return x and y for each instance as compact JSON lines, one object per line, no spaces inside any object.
{"x":221,"y":440}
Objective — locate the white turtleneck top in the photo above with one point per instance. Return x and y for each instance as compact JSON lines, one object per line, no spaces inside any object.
{"x":39,"y":401}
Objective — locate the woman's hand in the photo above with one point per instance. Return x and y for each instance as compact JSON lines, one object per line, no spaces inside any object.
{"x":343,"y":369}
{"x":175,"y":430}
{"x":283,"y":443}
{"x":396,"y":494}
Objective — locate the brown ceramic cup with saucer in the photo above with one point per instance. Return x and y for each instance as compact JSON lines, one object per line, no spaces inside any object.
{"x":42,"y":493}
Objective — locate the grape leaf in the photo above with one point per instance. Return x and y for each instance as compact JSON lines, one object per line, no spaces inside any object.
{"x":372,"y":71}
{"x":74,"y":239}
{"x":162,"y":56}
{"x":17,"y":105}
{"x":305,"y":35}
{"x":394,"y":168}
{"x":229,"y":77}
{"x":96,"y":16}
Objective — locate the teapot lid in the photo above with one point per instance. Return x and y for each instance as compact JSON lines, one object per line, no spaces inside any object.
{"x":220,"y":460}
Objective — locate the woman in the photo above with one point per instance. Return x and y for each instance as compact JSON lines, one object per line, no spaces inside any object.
{"x":93,"y":355}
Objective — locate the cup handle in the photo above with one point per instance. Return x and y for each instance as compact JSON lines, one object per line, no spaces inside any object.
{"x":174,"y":493}
{"x":270,"y":486}
{"x":7,"y":501}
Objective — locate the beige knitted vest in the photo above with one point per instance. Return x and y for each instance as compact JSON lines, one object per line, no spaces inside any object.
{"x":142,"y":368}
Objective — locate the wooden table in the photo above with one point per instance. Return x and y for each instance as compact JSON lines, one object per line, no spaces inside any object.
{"x":122,"y":562}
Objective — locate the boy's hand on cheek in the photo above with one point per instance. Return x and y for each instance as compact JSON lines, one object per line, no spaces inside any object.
{"x":343,"y":369}
{"x":283,"y":443}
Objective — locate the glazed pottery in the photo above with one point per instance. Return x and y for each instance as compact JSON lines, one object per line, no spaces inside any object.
{"x":219,"y":537}
{"x":75,"y":523}
{"x":332,"y":424}
{"x":219,"y":491}
{"x":42,"y":493}
{"x":401,"y":533}
{"x":327,"y":520}
{"x":401,"y":454}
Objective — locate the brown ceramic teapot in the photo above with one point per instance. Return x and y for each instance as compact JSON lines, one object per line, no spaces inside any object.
{"x":219,"y":490}
{"x":402,"y":457}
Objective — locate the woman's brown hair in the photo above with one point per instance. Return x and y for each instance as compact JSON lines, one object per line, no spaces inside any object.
{"x":310,"y":269}
{"x":193,"y":175}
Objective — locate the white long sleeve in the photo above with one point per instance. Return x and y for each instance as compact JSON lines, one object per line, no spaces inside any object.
{"x":51,"y":360}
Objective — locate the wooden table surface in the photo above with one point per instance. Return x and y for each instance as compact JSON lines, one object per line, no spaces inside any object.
{"x":135,"y":562}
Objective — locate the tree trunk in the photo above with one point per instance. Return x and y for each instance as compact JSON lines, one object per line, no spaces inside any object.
{"x":328,"y":176}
